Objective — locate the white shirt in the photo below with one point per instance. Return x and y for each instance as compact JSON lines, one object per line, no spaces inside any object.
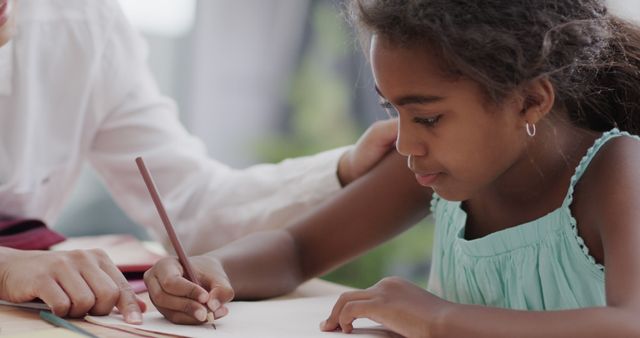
{"x":75,"y":86}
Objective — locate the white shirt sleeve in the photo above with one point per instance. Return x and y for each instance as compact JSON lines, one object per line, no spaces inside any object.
{"x":209,"y":203}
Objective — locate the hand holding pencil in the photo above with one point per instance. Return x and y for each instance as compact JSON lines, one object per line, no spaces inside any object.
{"x":178,"y":288}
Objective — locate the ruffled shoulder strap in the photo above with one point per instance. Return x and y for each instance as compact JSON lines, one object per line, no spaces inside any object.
{"x":586,"y":159}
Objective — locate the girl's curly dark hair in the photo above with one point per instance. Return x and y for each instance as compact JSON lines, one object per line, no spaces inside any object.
{"x":591,"y":57}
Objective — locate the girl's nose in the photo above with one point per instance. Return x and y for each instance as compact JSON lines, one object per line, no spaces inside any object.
{"x":408,"y":142}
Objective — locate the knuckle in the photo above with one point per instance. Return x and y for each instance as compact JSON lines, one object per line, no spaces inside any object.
{"x":341,"y":299}
{"x":78,"y":254}
{"x":168,"y":282}
{"x":193,"y":292}
{"x":345,"y":295}
{"x":125,"y":289}
{"x":84,"y":301}
{"x":348,"y":309}
{"x":167,"y":262}
{"x":391,"y":282}
{"x":100,"y":254}
{"x":107,"y":293}
{"x":189,"y":307}
{"x":224,"y":292}
{"x":41,"y":279}
{"x":61,"y":262}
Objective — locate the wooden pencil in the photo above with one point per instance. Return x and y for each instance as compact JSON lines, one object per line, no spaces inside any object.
{"x":175,"y":242}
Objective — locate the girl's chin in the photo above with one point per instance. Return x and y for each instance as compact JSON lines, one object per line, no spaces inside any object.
{"x":450,"y":195}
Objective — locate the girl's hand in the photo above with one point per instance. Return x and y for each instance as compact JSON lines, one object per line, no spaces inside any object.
{"x":372,"y":146}
{"x":71,"y":283}
{"x":182,"y":301}
{"x":399,"y":305}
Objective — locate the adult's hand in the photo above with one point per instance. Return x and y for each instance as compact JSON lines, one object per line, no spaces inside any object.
{"x":376,"y":142}
{"x":71,"y":283}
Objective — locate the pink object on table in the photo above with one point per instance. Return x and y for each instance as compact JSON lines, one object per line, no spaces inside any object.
{"x":27,"y":234}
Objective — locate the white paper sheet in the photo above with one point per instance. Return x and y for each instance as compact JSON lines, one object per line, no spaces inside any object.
{"x":299,"y":317}
{"x":27,"y":305}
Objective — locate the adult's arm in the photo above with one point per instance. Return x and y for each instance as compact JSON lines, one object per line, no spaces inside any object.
{"x":210,"y":203}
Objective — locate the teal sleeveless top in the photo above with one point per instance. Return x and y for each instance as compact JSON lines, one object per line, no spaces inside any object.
{"x":539,"y":265}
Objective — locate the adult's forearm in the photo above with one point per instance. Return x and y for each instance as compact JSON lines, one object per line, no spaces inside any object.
{"x":481,"y":321}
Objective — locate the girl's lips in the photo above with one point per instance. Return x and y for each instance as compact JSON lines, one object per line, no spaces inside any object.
{"x":427,"y":179}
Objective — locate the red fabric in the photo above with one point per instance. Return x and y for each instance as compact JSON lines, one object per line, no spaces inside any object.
{"x":27,"y":234}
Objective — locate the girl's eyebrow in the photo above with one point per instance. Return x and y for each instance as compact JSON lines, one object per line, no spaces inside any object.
{"x":413,"y":99}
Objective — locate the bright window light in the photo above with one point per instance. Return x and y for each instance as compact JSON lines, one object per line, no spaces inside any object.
{"x":627,"y":9}
{"x":171,"y":18}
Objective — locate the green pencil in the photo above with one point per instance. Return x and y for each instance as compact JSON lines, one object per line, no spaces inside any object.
{"x":59,"y":322}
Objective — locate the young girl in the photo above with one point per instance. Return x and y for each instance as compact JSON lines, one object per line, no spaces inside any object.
{"x":517,"y":115}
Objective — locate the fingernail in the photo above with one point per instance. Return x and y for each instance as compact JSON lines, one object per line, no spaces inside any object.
{"x":201,"y":315}
{"x":323,"y":324}
{"x":203,"y":297}
{"x":135,"y":318}
{"x":214,"y":304}
{"x":220,"y":312}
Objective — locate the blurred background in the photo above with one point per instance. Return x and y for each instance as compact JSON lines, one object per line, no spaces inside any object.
{"x":260,"y":81}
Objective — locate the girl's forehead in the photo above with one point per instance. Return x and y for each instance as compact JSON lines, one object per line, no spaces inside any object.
{"x":402,"y":71}
{"x":411,"y":65}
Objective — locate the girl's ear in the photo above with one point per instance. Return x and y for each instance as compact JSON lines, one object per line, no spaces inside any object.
{"x":539,"y":98}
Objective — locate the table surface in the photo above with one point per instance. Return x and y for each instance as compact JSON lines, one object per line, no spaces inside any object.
{"x":15,"y":320}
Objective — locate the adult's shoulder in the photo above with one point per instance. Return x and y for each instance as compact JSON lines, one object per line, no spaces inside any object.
{"x":81,"y":28}
{"x":93,"y":13}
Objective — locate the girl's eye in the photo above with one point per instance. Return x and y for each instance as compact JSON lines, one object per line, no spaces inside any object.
{"x":391,"y":111}
{"x":427,"y":121}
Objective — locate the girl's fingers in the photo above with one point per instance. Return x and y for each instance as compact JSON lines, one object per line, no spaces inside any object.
{"x":178,"y":317}
{"x":174,"y":304}
{"x":169,"y":274}
{"x":353,"y":310}
{"x":221,"y":312}
{"x":220,"y":294}
{"x":181,"y":287}
{"x":333,"y":322}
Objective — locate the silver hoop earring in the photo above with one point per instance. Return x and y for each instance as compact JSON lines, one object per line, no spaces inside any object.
{"x":531,"y":129}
